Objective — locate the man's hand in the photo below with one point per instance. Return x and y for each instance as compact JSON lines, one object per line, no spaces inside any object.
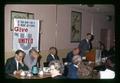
{"x":21,"y":62}
{"x":17,"y":72}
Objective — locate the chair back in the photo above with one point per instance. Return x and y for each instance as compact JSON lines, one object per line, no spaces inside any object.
{"x":46,"y":64}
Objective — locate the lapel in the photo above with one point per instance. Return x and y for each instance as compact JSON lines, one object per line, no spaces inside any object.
{"x":52,"y":56}
{"x":14,"y":63}
{"x":19,"y":66}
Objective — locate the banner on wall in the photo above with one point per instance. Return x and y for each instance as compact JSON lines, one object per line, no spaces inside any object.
{"x":25,"y":34}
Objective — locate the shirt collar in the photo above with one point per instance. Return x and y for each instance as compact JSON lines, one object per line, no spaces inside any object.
{"x":76,"y":66}
{"x":52,"y":55}
{"x":16,"y":60}
{"x":87,"y":40}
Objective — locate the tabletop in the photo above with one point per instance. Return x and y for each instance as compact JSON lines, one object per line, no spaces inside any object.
{"x":45,"y":75}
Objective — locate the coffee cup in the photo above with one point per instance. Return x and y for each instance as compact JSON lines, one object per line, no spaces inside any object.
{"x":40,"y":73}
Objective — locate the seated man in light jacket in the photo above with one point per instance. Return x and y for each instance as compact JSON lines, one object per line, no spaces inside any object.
{"x":32,"y":59}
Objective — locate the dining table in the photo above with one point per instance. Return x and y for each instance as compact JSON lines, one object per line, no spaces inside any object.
{"x":18,"y":76}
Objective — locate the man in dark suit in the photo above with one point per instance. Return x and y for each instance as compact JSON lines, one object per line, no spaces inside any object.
{"x":70,"y":55}
{"x":85,"y":44}
{"x":75,"y":51}
{"x":53,"y":54}
{"x":15,"y":65}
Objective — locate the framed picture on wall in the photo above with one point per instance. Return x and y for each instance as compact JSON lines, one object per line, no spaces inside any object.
{"x":76,"y":18}
{"x":21,"y":15}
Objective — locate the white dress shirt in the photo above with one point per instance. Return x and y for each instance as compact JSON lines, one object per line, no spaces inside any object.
{"x":52,"y":56}
{"x":17,"y":64}
{"x":88,"y":42}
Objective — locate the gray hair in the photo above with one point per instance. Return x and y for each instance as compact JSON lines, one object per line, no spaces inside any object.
{"x":31,"y":50}
{"x":58,"y":65}
{"x":76,"y":59}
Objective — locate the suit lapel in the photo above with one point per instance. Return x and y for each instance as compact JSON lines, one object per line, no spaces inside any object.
{"x":52,"y":56}
{"x":14,"y":63}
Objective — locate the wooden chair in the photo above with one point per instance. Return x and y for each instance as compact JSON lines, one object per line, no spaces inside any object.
{"x":64,"y":60}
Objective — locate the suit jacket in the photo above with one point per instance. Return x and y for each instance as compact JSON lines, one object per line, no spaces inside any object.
{"x":84,"y":46}
{"x":72,"y":72}
{"x":11,"y":66}
{"x":50,"y":58}
{"x":69,"y":57}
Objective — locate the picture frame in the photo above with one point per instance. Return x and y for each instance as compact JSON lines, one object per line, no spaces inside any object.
{"x":21,"y":15}
{"x":76,"y":18}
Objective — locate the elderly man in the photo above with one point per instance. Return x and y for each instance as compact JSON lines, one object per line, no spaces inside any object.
{"x":15,"y":65}
{"x":32,"y":59}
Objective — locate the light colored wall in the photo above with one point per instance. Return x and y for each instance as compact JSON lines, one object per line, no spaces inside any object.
{"x":64,"y":26}
{"x":100,"y":22}
{"x":46,"y":13}
{"x":52,"y":34}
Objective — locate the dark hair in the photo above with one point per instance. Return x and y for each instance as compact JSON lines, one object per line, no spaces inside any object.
{"x":52,"y":48}
{"x":76,"y":48}
{"x":18,"y":51}
{"x":88,"y":34}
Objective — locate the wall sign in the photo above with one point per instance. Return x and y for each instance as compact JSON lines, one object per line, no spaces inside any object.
{"x":25,"y":34}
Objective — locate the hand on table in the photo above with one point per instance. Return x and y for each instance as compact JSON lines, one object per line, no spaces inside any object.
{"x":17,"y":72}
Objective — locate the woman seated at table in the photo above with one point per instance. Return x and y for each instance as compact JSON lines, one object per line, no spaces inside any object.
{"x":32,"y":59}
{"x":52,"y":55}
{"x":56,"y":69}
